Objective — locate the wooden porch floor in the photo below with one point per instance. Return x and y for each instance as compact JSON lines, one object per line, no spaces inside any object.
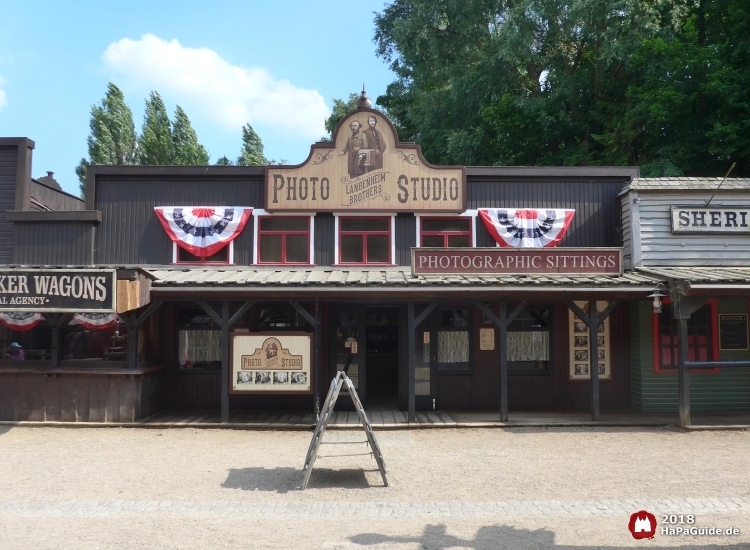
{"x":398,"y":420}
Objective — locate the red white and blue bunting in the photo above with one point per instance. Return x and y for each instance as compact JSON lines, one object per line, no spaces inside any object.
{"x":203,"y":230}
{"x":95,"y":321}
{"x":20,"y":321}
{"x":527,"y":227}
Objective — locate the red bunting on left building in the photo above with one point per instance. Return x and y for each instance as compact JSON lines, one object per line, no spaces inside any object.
{"x":203,"y":230}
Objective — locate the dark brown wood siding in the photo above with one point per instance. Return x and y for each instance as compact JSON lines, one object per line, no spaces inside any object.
{"x":53,"y":243}
{"x":80,"y":396}
{"x":481,"y":390}
{"x":130,"y":232}
{"x":406,"y":237}
{"x":324,"y":239}
{"x":597,"y":217}
{"x":8,"y":167}
{"x":54,"y":199}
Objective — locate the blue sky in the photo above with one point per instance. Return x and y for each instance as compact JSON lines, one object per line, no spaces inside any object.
{"x":274,"y":64}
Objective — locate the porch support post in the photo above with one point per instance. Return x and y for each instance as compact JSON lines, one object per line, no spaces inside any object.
{"x":594,"y":362}
{"x":318,"y":366}
{"x":683,"y":374}
{"x":503,"y":327}
{"x":593,"y":320}
{"x":225,"y":322}
{"x":684,"y":307}
{"x":225,"y":361}
{"x":502,"y":323}
{"x":56,"y":320}
{"x":412,"y":364}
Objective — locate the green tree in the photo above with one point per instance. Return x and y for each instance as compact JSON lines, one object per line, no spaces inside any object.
{"x":340,"y":109}
{"x":660,"y":84}
{"x":156,"y":143}
{"x":251,"y":153}
{"x":186,"y":150}
{"x":224,"y":161}
{"x":112,"y":138}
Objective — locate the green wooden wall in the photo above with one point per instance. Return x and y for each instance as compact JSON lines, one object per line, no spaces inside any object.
{"x":726,"y":390}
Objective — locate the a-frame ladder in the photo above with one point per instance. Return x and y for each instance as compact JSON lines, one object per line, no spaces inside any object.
{"x":337,"y":384}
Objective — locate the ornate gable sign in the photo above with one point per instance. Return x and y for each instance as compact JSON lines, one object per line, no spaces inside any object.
{"x":365,"y":169}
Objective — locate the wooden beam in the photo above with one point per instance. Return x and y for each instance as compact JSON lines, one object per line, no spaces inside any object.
{"x":225,"y":361}
{"x":302,"y":311}
{"x":318,"y":367}
{"x":683,"y":374}
{"x":412,"y":363}
{"x":240,"y":312}
{"x":422,"y":316}
{"x":208,"y":309}
{"x":503,"y":326}
{"x":594,"y":361}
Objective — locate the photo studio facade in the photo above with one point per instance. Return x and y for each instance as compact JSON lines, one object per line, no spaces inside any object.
{"x":434,"y":287}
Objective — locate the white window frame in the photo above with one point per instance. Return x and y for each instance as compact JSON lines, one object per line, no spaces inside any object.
{"x":230,"y":256}
{"x":467,"y":214}
{"x":336,"y":215}
{"x":258,"y":212}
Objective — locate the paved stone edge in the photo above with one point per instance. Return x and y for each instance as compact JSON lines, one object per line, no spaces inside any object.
{"x":375,"y":509}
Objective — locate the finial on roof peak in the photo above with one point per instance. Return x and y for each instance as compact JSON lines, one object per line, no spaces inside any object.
{"x":364,"y":102}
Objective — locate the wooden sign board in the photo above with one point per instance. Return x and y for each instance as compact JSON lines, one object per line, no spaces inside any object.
{"x":271,"y":362}
{"x":58,"y":290}
{"x":516,"y":261}
{"x":715,"y":219}
{"x":365,"y":169}
{"x":733,"y":331}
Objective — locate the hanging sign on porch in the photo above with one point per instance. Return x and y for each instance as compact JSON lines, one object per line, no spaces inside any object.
{"x":365,"y":168}
{"x":57,"y":290}
{"x":508,"y":261}
{"x":271,"y":362}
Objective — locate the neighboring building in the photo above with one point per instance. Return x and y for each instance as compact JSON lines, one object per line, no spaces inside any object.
{"x":249,"y":287}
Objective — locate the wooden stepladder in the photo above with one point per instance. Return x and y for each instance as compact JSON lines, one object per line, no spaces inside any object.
{"x":340,"y":381}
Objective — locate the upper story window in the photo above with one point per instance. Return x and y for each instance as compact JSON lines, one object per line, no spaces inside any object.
{"x":365,"y":240}
{"x":225,"y":256}
{"x":283,"y":239}
{"x":447,"y":231}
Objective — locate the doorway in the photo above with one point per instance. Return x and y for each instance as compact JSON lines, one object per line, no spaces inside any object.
{"x":382,"y":358}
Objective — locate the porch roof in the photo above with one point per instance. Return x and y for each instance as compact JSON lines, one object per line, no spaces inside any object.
{"x":328,"y":279}
{"x":705,"y":279}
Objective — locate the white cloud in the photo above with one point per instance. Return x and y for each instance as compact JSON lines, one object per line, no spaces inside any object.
{"x":200,"y":78}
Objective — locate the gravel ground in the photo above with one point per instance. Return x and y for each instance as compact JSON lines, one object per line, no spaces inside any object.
{"x":463,"y":488}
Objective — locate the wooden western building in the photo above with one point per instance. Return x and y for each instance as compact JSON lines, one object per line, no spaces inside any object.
{"x":436,"y":288}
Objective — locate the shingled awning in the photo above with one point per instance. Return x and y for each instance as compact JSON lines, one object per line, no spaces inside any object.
{"x":704,"y":280}
{"x":342,"y":281}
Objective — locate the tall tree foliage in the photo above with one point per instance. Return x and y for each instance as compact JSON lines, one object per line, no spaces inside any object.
{"x":155,"y":145}
{"x":112,"y":138}
{"x":661,"y":84}
{"x":341,"y":108}
{"x":251,"y":153}
{"x":186,"y":150}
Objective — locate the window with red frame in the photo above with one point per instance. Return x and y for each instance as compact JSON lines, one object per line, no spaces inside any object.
{"x":446,"y":232}
{"x":221,"y":257}
{"x":365,"y":240}
{"x":283,"y":240}
{"x":702,"y":337}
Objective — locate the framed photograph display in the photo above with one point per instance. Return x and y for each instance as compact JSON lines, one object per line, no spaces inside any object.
{"x":279,"y":362}
{"x":580,"y":362}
